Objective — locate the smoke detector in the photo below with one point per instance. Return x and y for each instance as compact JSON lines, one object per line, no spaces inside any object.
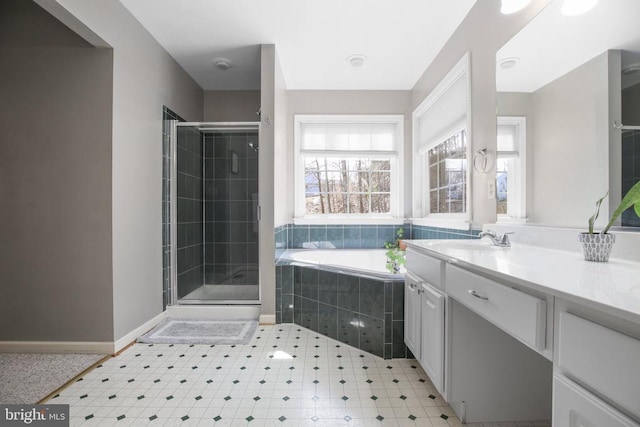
{"x":222,"y":63}
{"x":356,"y":60}
{"x":507,"y":63}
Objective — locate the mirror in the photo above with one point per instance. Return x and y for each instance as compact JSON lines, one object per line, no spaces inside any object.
{"x":572,"y":77}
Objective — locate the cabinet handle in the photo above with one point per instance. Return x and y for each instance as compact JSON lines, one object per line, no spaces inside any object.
{"x":475,"y":294}
{"x":412,"y":285}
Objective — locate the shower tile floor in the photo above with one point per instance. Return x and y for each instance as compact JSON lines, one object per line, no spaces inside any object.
{"x":286,"y":376}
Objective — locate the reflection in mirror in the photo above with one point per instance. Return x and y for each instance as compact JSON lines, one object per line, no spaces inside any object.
{"x":573,"y":77}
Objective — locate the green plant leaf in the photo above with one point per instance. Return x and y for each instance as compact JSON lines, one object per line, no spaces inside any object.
{"x":595,"y":215}
{"x":632,"y":198}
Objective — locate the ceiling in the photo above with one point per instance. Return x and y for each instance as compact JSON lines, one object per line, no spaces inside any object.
{"x":553,"y":44}
{"x":313,"y":38}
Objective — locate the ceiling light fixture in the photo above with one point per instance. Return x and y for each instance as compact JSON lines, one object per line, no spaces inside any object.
{"x":577,"y":7}
{"x":507,"y":63}
{"x":512,"y":6}
{"x":631,"y":69}
{"x":222,"y":63}
{"x":356,"y":60}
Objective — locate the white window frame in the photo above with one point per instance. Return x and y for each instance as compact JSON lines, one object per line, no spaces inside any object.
{"x":421,"y":206}
{"x":517,"y":183}
{"x":396,"y":215}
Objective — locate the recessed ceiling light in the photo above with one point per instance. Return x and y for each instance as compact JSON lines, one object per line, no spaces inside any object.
{"x":356,"y":60}
{"x":631,"y":69}
{"x":507,"y":63}
{"x":222,"y":63}
{"x":577,"y":7}
{"x":512,"y":6}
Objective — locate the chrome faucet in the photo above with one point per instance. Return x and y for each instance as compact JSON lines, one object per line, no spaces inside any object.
{"x":502,"y":241}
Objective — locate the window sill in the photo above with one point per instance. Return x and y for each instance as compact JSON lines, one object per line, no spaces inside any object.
{"x":348,"y":220}
{"x":510,"y":220}
{"x":452,"y":223}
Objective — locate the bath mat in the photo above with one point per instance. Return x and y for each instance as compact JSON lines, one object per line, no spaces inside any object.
{"x":195,"y":331}
{"x":26,"y":378}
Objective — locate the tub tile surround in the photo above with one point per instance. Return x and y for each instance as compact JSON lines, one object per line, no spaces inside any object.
{"x":365,"y":313}
{"x":292,"y":236}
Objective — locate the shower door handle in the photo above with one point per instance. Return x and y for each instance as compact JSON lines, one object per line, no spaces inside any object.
{"x":259,"y":213}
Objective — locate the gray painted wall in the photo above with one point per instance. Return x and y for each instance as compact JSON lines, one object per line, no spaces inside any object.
{"x":483,"y":31}
{"x":347,"y":102}
{"x":55,"y":181}
{"x":231,"y":105}
{"x":145,"y":78}
{"x":270,"y":91}
{"x":570,"y":158}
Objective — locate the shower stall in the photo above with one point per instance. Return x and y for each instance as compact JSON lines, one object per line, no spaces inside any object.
{"x":212,"y":204}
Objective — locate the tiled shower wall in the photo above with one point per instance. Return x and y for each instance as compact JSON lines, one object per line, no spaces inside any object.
{"x":630,"y":171}
{"x":231,"y":197}
{"x":362,"y":312}
{"x":190,"y":265}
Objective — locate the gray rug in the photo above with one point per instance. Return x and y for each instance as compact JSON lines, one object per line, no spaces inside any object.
{"x":28,"y":378}
{"x":195,"y":331}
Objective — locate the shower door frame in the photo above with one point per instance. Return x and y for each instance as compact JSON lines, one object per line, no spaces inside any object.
{"x":173,"y":202}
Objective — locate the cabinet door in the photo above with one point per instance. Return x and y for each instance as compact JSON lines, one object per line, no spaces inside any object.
{"x":412,"y":315}
{"x":432,"y":335}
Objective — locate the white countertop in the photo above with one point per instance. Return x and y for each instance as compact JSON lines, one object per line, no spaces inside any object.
{"x":613,"y":286}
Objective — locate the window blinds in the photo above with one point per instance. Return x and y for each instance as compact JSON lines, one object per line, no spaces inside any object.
{"x":348,"y":137}
{"x":444,"y":112}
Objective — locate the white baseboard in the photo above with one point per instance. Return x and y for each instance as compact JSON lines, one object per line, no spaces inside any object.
{"x":137,"y":332}
{"x":267,"y":319}
{"x":214,"y":312}
{"x":92,"y":347}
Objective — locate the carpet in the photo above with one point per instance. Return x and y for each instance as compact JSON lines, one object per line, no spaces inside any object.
{"x":195,"y":331}
{"x":27,"y":378}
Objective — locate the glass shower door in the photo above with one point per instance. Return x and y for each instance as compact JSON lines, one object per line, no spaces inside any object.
{"x":216,"y":224}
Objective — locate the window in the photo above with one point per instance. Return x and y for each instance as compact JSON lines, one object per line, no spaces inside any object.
{"x":511,"y":168}
{"x":348,"y":166}
{"x":448,"y":175}
{"x":441,"y":152}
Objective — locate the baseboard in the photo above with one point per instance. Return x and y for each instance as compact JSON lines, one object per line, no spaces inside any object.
{"x":93,"y":347}
{"x":267,"y":319}
{"x":137,"y":332}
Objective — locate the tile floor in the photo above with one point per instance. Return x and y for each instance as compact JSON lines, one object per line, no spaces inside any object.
{"x":286,"y":376}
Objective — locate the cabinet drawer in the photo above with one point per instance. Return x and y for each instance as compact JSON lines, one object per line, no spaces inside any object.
{"x":602,"y":359}
{"x":519,"y":314}
{"x":575,"y":407}
{"x":429,"y":269}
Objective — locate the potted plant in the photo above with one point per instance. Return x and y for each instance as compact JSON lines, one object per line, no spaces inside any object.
{"x":395,"y":252}
{"x":597,"y":246}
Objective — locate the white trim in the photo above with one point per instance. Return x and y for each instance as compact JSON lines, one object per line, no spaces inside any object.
{"x":130,"y":337}
{"x":215,"y":312}
{"x":396,"y":156}
{"x":267,"y":319}
{"x":92,"y":347}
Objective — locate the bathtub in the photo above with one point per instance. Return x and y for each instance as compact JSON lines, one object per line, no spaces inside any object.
{"x":369,"y":263}
{"x":345,"y":294}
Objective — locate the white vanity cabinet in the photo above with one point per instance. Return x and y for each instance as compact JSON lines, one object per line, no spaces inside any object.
{"x":424,"y":313}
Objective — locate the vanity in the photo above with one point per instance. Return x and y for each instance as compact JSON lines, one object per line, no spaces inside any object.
{"x":525,"y":332}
